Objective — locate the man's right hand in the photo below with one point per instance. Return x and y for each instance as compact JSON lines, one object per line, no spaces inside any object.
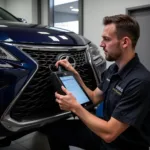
{"x":65,"y":63}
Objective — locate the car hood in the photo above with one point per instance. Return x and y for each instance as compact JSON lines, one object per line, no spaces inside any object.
{"x":16,"y":32}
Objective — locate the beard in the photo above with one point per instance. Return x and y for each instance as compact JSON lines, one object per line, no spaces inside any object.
{"x":109,"y":58}
{"x":113,"y":56}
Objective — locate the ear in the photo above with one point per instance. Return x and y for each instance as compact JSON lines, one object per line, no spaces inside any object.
{"x":125,"y":42}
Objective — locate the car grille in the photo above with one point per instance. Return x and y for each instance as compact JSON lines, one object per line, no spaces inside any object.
{"x":37,"y":100}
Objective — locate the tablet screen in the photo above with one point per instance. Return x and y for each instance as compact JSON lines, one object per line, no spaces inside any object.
{"x":72,"y":85}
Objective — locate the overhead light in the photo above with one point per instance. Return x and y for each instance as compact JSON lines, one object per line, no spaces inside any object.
{"x":71,"y":7}
{"x":60,"y":2}
{"x":76,"y":10}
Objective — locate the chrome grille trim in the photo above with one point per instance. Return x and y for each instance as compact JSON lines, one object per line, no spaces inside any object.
{"x":51,"y":48}
{"x":13,"y":125}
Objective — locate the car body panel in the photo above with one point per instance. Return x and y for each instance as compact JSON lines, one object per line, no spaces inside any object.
{"x":38,"y":34}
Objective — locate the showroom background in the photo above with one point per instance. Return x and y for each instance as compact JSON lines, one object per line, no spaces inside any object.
{"x":93,"y":13}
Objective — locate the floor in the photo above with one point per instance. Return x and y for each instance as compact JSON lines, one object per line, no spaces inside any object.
{"x":33,"y":141}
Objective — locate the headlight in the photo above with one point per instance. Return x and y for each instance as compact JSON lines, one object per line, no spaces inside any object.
{"x":4,"y":57}
{"x":95,"y":53}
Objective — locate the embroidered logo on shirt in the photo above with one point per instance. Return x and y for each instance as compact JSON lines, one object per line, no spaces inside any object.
{"x":118,"y":90}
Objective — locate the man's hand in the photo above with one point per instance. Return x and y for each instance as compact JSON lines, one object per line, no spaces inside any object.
{"x":66,"y":64}
{"x":66,"y":102}
{"x":96,"y":96}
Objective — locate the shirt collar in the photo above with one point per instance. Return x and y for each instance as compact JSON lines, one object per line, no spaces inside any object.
{"x":127,"y":68}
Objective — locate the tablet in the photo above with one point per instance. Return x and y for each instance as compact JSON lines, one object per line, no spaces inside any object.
{"x":73,"y":86}
{"x":68,"y":80}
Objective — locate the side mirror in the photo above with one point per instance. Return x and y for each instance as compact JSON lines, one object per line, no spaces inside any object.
{"x":22,"y":20}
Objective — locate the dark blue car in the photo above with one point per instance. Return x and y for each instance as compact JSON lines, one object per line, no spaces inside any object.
{"x":28,"y":53}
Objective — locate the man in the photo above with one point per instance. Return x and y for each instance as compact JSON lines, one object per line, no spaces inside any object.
{"x":124,"y":90}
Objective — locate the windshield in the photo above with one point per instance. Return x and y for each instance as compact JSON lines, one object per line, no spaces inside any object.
{"x":4,"y":15}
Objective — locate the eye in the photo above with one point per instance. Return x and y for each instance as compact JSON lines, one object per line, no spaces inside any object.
{"x":106,"y":39}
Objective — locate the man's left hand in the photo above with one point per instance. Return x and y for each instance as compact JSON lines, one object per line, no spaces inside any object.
{"x":66,"y":102}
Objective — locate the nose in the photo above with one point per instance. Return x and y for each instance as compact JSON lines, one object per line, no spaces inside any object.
{"x":102,"y":44}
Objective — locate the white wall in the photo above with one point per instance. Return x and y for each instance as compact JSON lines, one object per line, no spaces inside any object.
{"x":26,"y":9}
{"x":95,"y":10}
{"x":20,"y":8}
{"x":2,"y":3}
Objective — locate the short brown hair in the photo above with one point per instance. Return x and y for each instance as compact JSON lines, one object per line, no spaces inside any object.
{"x":125,"y":26}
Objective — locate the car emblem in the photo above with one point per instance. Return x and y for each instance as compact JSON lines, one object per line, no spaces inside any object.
{"x":69,"y":58}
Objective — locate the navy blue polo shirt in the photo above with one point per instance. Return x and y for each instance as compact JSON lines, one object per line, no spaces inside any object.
{"x":127,"y":99}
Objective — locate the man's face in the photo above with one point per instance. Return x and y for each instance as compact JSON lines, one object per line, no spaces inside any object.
{"x":110,"y":43}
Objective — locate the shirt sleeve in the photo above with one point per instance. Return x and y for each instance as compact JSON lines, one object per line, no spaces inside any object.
{"x":134,"y":104}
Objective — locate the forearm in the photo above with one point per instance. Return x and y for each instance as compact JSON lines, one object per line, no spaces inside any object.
{"x":107,"y":130}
